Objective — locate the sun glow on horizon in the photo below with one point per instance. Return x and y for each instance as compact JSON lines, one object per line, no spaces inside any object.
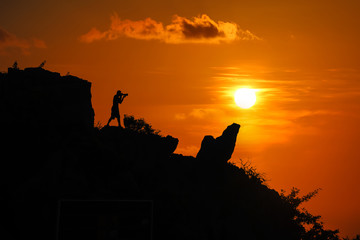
{"x":245,"y":97}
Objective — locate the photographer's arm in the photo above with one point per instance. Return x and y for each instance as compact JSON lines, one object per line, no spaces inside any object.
{"x":121,"y":98}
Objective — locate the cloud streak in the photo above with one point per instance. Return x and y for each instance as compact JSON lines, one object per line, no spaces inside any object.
{"x":9,"y":40}
{"x":201,"y":29}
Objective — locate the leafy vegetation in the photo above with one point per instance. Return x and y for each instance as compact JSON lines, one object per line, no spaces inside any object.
{"x":311,"y":226}
{"x":139,"y":125}
{"x":252,"y":172}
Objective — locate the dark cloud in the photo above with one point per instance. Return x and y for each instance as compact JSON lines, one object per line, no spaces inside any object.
{"x":201,"y":31}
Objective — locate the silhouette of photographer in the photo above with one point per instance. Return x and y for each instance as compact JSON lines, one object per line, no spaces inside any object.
{"x":118,"y":99}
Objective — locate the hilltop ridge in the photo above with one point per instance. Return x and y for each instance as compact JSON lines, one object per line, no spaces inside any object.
{"x":46,"y":160}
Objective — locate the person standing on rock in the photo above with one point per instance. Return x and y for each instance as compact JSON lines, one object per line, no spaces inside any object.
{"x":118,"y":99}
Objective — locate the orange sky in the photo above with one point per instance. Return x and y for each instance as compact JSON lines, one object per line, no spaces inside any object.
{"x":181,"y":62}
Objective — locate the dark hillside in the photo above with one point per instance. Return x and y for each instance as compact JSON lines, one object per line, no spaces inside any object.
{"x":52,"y":153}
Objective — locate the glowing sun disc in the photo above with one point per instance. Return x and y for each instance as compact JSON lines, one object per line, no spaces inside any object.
{"x":245,"y":97}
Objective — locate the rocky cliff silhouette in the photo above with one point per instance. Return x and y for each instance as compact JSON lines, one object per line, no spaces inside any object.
{"x":38,"y":97}
{"x":51,"y":151}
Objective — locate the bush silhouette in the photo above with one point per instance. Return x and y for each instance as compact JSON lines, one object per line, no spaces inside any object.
{"x":139,"y":125}
{"x":252,"y":172}
{"x":311,"y":226}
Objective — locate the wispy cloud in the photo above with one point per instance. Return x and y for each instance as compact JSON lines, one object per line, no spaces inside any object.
{"x":199,"y":113}
{"x":9,"y":40}
{"x":201,"y":29}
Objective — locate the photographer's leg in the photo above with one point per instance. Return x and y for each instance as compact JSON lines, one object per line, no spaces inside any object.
{"x":111,"y":118}
{"x":118,"y":120}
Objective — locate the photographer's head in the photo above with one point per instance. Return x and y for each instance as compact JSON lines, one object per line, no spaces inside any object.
{"x":119,"y":93}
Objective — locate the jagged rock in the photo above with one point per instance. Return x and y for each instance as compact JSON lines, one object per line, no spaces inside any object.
{"x":221,"y":148}
{"x":38,"y":97}
{"x":171,"y":143}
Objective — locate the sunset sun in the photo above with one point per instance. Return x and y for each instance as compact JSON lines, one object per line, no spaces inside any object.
{"x":245,"y":97}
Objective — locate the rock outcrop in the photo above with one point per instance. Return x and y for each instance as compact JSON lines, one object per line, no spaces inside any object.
{"x":38,"y":97}
{"x":221,"y":148}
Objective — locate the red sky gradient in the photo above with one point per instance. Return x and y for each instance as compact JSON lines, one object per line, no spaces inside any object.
{"x":181,"y":62}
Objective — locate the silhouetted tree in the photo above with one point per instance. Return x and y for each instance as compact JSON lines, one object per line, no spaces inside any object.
{"x":311,"y":226}
{"x":139,"y":125}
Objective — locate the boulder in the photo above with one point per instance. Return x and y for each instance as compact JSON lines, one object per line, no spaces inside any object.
{"x":221,"y":148}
